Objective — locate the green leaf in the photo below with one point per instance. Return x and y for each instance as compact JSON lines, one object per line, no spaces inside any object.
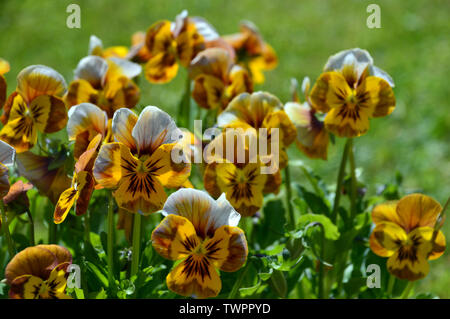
{"x":98,"y":274}
{"x":317,"y":204}
{"x":331,"y":231}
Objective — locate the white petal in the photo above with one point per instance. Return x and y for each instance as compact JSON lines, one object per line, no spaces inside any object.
{"x":154,"y":128}
{"x":94,"y":43}
{"x":128,"y":68}
{"x":7,"y":154}
{"x":375,"y":71}
{"x":336,"y":61}
{"x":92,"y":69}
{"x":205,"y":29}
{"x":86,"y":116}
{"x":123,"y":123}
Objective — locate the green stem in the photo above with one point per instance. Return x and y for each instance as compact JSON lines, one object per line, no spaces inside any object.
{"x":5,"y":227}
{"x":184,"y":112}
{"x":31,"y":227}
{"x":311,"y":180}
{"x":391,"y":284}
{"x":291,"y":217}
{"x":238,"y":281}
{"x":353,"y":190}
{"x":87,"y":228}
{"x":407,"y":290}
{"x":110,"y":241}
{"x":136,"y":244}
{"x":340,"y":179}
{"x":322,"y":256}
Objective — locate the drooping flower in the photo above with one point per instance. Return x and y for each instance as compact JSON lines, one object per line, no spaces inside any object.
{"x":216,"y":79}
{"x":404,"y":231}
{"x":86,"y":121}
{"x":82,"y":186}
{"x":106,"y":83}
{"x":170,"y":43}
{"x":50,"y":181}
{"x":252,"y":51}
{"x":244,"y":176}
{"x":312,"y":137}
{"x":39,"y":272}
{"x":202,"y":233}
{"x":140,"y":163}
{"x":35,"y":106}
{"x":351,"y":91}
{"x":96,"y":48}
{"x":260,"y":110}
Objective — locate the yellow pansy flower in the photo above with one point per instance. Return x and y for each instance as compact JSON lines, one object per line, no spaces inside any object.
{"x":252,"y":52}
{"x":240,"y":175}
{"x":36,"y":105}
{"x":312,"y":137}
{"x":404,"y":231}
{"x":139,"y":163}
{"x":171,"y":43}
{"x":37,"y":169}
{"x":96,"y":48}
{"x":4,"y":66}
{"x":39,"y":272}
{"x":260,"y":110}
{"x":201,"y":233}
{"x":351,"y":91}
{"x":216,"y":79}
{"x":104,"y":82}
{"x":82,"y":186}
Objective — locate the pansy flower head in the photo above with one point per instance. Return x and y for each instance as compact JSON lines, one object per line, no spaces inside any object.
{"x":96,"y":48}
{"x":86,"y":121}
{"x":252,"y":51}
{"x":39,"y":272}
{"x":351,"y":91}
{"x":139,"y":163}
{"x":170,"y":43}
{"x":404,"y":232}
{"x":106,"y":83}
{"x":7,"y":155}
{"x":242,"y":175}
{"x":312,"y":137}
{"x":35,"y":106}
{"x":201,"y":233}
{"x":260,"y":110}
{"x":216,"y":79}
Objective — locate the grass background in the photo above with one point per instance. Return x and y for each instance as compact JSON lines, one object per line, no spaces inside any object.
{"x":412,"y":45}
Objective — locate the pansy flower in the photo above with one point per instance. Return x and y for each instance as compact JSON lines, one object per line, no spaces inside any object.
{"x":170,"y":43}
{"x":82,"y":184}
{"x":243,"y":176}
{"x":216,"y":79}
{"x":201,"y":233}
{"x":404,"y":231}
{"x":260,"y":110}
{"x":96,"y":48}
{"x":104,"y":82}
{"x":351,"y":91}
{"x":139,"y":51}
{"x":139,"y":164}
{"x":312,"y":137}
{"x":39,"y":272}
{"x":86,"y":121}
{"x":35,"y":106}
{"x":252,"y":51}
{"x":50,"y":181}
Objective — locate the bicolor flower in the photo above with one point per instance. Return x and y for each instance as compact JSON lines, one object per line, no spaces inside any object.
{"x":96,"y":48}
{"x":312,"y":137}
{"x":50,"y":181}
{"x":7,"y":155}
{"x":82,"y":186}
{"x":252,"y":51}
{"x":39,"y":272}
{"x":201,"y":233}
{"x":140,"y":163}
{"x":216,"y":79}
{"x":35,"y":106}
{"x":104,"y":82}
{"x":260,"y":110}
{"x":170,"y":43}
{"x":240,"y":176}
{"x":351,"y":91}
{"x":403,"y":232}
{"x":86,"y":121}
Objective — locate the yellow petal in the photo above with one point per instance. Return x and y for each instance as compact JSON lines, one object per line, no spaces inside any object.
{"x":208,"y":92}
{"x":64,"y":204}
{"x":329,"y":91}
{"x":161,"y":68}
{"x":386,"y":212}
{"x":81,"y":91}
{"x":417,"y":210}
{"x":4,"y":66}
{"x":38,"y":80}
{"x":387,"y":238}
{"x":381,"y":95}
{"x":2,"y":90}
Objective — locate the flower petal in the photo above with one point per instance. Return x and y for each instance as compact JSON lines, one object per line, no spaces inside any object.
{"x":86,"y":117}
{"x":123,"y":123}
{"x":64,"y":204}
{"x":92,"y":69}
{"x":387,"y":238}
{"x":7,"y":154}
{"x":417,"y":210}
{"x":329,"y":91}
{"x":386,"y":212}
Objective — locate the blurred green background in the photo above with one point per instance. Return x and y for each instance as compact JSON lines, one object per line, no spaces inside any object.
{"x":412,"y":45}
